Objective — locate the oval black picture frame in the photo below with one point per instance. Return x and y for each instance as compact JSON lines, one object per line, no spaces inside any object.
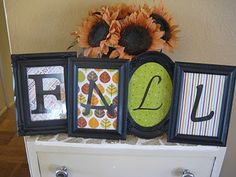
{"x":168,"y":64}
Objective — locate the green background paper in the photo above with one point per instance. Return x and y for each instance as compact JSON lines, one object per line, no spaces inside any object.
{"x":158,"y":93}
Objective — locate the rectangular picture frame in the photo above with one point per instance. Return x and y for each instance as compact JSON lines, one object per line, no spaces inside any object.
{"x":202,"y":103}
{"x":89,"y":76}
{"x":41,"y":83}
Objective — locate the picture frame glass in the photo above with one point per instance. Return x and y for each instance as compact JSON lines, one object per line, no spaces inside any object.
{"x":97,"y":97}
{"x":46,"y":92}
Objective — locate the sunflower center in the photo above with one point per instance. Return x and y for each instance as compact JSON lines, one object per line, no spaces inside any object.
{"x":164,"y":26}
{"x":136,"y":39}
{"x":98,"y":33}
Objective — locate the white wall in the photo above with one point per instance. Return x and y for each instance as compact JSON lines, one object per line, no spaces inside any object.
{"x":208,"y":34}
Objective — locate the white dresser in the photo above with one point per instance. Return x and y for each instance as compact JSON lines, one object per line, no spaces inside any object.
{"x":135,"y":157}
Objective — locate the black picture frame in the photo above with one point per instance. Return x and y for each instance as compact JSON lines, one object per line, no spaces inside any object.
{"x":20,"y":63}
{"x":101,"y":63}
{"x":168,"y":64}
{"x":226,"y":78}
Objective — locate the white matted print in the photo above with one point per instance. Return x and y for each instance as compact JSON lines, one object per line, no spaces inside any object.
{"x":204,"y":93}
{"x":46,"y":90}
{"x":97,"y":98}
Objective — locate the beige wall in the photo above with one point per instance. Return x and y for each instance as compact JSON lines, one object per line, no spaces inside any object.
{"x":2,"y":99}
{"x":5,"y":64}
{"x":208,"y":34}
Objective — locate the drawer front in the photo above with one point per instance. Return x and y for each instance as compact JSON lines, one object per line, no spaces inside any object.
{"x":123,"y":164}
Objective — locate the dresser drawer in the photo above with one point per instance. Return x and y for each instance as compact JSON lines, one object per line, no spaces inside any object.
{"x":125,"y":163}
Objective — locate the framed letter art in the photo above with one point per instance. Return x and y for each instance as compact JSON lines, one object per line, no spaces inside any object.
{"x":98,"y":94}
{"x":40,"y":87}
{"x":150,"y":94}
{"x":202,"y":103}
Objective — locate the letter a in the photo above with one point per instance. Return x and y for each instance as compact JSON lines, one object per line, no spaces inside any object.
{"x":88,"y":106}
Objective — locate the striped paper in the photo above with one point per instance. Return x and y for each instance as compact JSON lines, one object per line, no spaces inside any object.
{"x":210,"y":100}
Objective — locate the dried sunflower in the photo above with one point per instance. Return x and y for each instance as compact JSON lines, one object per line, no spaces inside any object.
{"x":94,"y":34}
{"x":167,"y":24}
{"x":124,"y":10}
{"x":136,"y":34}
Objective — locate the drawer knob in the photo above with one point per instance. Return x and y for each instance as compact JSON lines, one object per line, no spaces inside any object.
{"x":187,"y":173}
{"x":62,"y":172}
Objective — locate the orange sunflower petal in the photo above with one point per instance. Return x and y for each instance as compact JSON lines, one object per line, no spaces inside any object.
{"x":161,"y":10}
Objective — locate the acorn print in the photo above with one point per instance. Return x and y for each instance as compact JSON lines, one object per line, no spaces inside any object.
{"x":104,"y":77}
{"x":85,"y":88}
{"x":92,"y":76}
{"x":99,"y":113}
{"x":82,"y":122}
{"x":112,"y":116}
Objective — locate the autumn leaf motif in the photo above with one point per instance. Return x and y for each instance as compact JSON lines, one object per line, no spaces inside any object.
{"x":78,"y":112}
{"x":94,"y":100}
{"x":114,"y":124}
{"x":115,"y":77}
{"x":81,"y":98}
{"x":99,"y":113}
{"x":112,"y":116}
{"x":81,"y":122}
{"x":85,"y":88}
{"x":81,"y":76}
{"x":111,"y":89}
{"x":101,"y":88}
{"x":90,"y":114}
{"x":115,"y":101}
{"x":92,"y":76}
{"x":111,"y":70}
{"x":108,"y":100}
{"x":105,"y":123}
{"x":98,"y":70}
{"x":104,"y":77}
{"x":93,"y":123}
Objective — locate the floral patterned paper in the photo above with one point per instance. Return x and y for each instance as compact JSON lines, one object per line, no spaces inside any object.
{"x":107,"y":82}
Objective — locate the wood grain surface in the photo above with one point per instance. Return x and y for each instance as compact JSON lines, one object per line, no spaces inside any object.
{"x":13,"y":161}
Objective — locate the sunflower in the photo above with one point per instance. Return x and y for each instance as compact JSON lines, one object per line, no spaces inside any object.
{"x":124,"y":10}
{"x":95,"y":33}
{"x":167,"y":24}
{"x":136,"y":34}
